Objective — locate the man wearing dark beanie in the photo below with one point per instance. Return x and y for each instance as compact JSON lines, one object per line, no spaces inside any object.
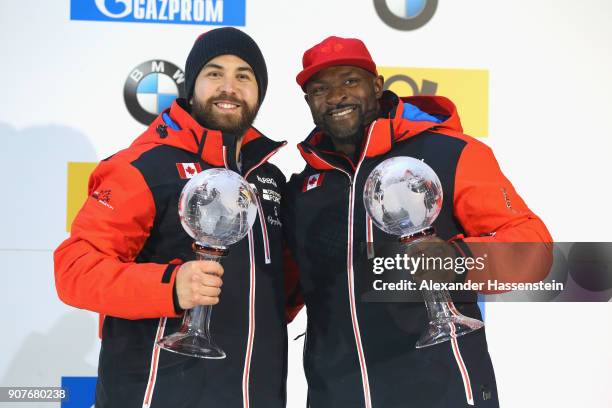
{"x":129,"y":259}
{"x":225,"y":48}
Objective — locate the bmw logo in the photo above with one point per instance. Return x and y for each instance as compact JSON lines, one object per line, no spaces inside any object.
{"x":151,"y":88}
{"x":405,"y":15}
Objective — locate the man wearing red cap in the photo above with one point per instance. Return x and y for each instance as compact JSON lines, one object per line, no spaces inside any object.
{"x":362,"y":354}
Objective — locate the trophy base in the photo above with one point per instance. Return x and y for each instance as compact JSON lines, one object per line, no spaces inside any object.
{"x":447,"y":328}
{"x":192,"y":345}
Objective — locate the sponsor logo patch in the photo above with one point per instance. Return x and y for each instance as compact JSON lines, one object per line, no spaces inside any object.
{"x":267,"y":180}
{"x":274,"y":220}
{"x":271,"y":195}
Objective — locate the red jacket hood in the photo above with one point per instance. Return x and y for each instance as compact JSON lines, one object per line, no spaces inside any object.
{"x":383,"y":132}
{"x":194,"y":138}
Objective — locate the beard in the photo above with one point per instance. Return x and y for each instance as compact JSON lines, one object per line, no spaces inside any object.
{"x":204,"y":114}
{"x":343,"y":133}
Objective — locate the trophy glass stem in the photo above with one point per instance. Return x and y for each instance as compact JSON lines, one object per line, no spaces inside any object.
{"x":194,"y":338}
{"x":445,"y":321}
{"x":197,"y":319}
{"x":438,"y":304}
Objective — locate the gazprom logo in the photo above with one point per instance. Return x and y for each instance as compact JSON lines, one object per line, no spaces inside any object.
{"x":209,"y":12}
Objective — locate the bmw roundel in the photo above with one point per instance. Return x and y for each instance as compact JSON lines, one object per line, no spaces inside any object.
{"x":406,"y":14}
{"x":151,"y":87}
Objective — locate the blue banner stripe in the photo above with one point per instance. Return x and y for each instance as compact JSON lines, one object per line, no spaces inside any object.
{"x":200,"y":12}
{"x":81,"y":392}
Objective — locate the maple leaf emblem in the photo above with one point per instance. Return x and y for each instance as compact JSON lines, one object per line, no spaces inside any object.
{"x":104,"y":196}
{"x":190,"y":170}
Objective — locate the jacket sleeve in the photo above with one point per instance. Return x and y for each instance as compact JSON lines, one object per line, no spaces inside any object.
{"x":294,"y":300}
{"x":487,"y":205}
{"x":95,"y":267}
{"x":491,"y":212}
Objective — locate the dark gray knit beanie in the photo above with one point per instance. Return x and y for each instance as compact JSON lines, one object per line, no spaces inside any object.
{"x":220,"y":41}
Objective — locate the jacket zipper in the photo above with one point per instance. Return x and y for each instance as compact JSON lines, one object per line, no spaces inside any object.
{"x":350,"y":273}
{"x":251,"y":335}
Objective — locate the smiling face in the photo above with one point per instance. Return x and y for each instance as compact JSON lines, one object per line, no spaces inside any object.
{"x":343,"y":100}
{"x":225,"y":95}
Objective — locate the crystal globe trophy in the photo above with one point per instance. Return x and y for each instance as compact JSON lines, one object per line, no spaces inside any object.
{"x":217,"y":208}
{"x":403,"y":196}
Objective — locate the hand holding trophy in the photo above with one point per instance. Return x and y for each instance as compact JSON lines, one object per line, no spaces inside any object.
{"x":217,"y":208}
{"x":403,"y":196}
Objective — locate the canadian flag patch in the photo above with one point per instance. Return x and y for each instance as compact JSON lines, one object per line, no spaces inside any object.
{"x":188,"y":170}
{"x":313,"y":181}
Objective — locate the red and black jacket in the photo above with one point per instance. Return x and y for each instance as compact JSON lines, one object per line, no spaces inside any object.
{"x":360,"y":354}
{"x":121,"y":261}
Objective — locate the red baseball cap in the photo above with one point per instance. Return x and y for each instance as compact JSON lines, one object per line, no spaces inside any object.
{"x":334,"y":51}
